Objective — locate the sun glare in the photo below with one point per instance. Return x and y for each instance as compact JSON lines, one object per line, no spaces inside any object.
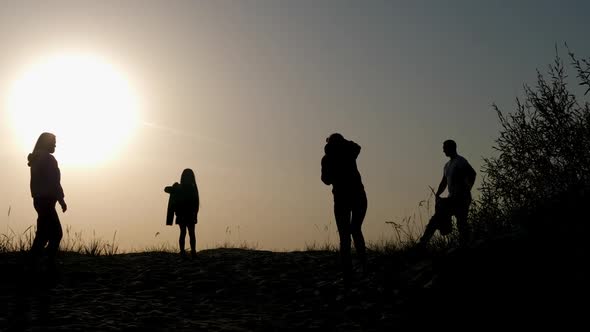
{"x":86,"y":102}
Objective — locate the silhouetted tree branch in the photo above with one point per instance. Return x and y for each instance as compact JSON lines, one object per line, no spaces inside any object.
{"x":583,"y":68}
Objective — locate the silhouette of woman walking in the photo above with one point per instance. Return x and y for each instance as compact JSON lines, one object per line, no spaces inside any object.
{"x":185,"y":198}
{"x":339,"y":169}
{"x":46,"y":190}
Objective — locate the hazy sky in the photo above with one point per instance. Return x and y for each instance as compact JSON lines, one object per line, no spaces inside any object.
{"x":245,"y":93}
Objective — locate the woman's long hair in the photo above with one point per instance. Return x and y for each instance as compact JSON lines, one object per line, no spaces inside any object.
{"x":44,"y":142}
{"x":187,"y":179}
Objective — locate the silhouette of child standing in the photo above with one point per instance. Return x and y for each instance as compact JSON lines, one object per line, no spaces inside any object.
{"x":185,"y":197}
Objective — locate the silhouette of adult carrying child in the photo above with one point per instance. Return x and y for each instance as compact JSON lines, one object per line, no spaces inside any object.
{"x":458,"y":178}
{"x":339,"y":169}
{"x":184,"y":203}
{"x":46,"y":191}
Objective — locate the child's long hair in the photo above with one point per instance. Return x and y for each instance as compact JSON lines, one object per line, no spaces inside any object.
{"x":188,"y":179}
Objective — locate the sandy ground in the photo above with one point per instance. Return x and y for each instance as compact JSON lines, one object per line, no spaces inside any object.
{"x":219,"y":290}
{"x":250,"y":290}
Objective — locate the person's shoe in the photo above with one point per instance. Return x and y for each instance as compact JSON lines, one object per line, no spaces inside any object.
{"x":183,"y":254}
{"x":193,"y":254}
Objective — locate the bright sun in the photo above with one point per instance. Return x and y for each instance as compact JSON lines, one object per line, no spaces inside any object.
{"x":86,"y":102}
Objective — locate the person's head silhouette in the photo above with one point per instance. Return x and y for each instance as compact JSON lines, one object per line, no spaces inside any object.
{"x":450,"y":148}
{"x":188,"y":177}
{"x":45,"y":142}
{"x":335,"y":138}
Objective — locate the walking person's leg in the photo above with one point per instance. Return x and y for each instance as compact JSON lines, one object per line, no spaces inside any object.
{"x":181,"y":239}
{"x":43,"y":228}
{"x":342,"y":213}
{"x":55,"y":234}
{"x":441,"y":220}
{"x":461,"y":213}
{"x":358,"y":216}
{"x":192,"y":239}
{"x":429,"y":231}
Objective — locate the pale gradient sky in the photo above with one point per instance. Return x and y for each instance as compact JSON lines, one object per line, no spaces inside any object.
{"x":245,"y":92}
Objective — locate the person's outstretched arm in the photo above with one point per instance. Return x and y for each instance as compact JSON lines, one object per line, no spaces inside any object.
{"x":442,"y":186}
{"x":54,"y":175}
{"x":471,"y":174}
{"x":62,"y":203}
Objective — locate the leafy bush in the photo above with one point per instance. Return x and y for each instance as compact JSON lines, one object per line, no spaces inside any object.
{"x":543,"y":150}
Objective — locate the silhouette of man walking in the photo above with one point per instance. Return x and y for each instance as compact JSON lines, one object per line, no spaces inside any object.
{"x":458,"y":178}
{"x":339,"y":169}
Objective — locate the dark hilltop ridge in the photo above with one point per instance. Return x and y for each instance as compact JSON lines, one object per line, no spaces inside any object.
{"x":507,"y":281}
{"x":525,"y":266}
